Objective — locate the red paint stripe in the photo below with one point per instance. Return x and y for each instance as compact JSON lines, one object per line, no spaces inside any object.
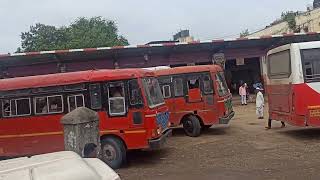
{"x":168,"y":44}
{"x":265,"y":37}
{"x":242,"y":38}
{"x":62,"y":51}
{"x":117,"y":47}
{"x":218,"y":41}
{"x":311,"y":33}
{"x":194,"y":42}
{"x":143,"y":46}
{"x":32,"y":53}
{"x":90,"y":49}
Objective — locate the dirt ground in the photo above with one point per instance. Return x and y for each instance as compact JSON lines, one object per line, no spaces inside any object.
{"x":243,"y":150}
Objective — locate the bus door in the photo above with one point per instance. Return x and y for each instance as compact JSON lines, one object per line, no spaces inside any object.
{"x":123,"y":104}
{"x":210,"y":105}
{"x":116,"y":106}
{"x":178,"y":106}
{"x":194,"y":98}
{"x":135,"y":104}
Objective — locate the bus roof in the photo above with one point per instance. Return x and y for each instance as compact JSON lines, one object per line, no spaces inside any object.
{"x":302,"y":45}
{"x":58,"y":165}
{"x":71,"y":78}
{"x":188,"y":69}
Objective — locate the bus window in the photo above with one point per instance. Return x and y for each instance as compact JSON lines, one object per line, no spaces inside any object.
{"x":95,"y":96}
{"x":311,"y":64}
{"x":165,"y":82}
{"x":55,"y":104}
{"x":221,"y":84}
{"x":16,"y":107}
{"x":279,"y":65}
{"x":135,"y":93}
{"x":75,"y":101}
{"x":116,"y":99}
{"x":207,"y":85}
{"x":166,"y":91}
{"x":41,"y":105}
{"x":153,"y":92}
{"x":178,"y":87}
{"x":193,"y":83}
{"x":194,"y":92}
{"x":6,"y":108}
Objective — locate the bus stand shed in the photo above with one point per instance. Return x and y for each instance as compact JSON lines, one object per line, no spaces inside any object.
{"x":243,"y":57}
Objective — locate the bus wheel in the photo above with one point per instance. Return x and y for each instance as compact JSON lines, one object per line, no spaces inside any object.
{"x":113,"y":152}
{"x":192,"y":126}
{"x":205,"y":127}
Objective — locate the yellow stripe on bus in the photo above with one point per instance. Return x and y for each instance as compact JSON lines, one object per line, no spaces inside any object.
{"x":61,"y":133}
{"x":135,"y":132}
{"x":110,"y":131}
{"x":31,"y":135}
{"x":313,"y":107}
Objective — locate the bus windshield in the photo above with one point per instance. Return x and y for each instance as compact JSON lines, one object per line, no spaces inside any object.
{"x":221,"y":83}
{"x":153,"y":92}
{"x":311,"y":64}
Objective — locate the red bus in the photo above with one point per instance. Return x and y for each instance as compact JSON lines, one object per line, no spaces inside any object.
{"x":292,"y":74}
{"x":197,"y":97}
{"x":132,"y":111}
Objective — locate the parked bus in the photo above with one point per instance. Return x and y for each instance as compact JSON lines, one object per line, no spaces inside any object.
{"x":197,"y":97}
{"x":132,"y":111}
{"x":292,"y":74}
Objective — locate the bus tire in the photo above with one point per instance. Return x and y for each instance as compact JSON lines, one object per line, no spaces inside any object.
{"x":192,"y":126}
{"x":113,"y":152}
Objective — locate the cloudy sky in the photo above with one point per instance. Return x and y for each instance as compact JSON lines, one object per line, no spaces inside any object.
{"x":141,"y":21}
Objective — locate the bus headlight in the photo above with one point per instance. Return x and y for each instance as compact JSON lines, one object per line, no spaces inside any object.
{"x":159,"y":130}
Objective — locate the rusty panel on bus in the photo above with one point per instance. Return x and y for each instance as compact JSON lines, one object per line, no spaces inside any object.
{"x":279,"y":98}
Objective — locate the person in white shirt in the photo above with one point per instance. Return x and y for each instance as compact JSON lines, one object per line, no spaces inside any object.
{"x":259,"y":103}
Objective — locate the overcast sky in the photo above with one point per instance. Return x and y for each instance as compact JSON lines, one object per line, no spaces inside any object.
{"x":141,"y":21}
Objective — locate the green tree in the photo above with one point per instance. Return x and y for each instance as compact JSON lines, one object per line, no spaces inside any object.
{"x":245,"y":33}
{"x":82,"y":33}
{"x":290,"y":18}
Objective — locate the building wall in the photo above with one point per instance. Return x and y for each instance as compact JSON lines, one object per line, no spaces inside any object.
{"x":186,"y":39}
{"x":309,"y":19}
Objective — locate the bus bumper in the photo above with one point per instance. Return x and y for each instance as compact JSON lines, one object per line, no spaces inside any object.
{"x":159,"y":143}
{"x":226,"y":120}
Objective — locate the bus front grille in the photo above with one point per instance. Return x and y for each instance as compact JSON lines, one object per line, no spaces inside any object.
{"x":163,"y":119}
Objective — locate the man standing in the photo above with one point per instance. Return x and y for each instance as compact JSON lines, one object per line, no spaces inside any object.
{"x":243,"y":94}
{"x":259,"y":103}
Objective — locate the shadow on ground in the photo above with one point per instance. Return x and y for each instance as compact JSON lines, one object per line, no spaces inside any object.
{"x":303,"y":134}
{"x":145,"y":157}
{"x":179,"y":132}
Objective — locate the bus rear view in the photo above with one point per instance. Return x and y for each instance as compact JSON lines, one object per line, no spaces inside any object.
{"x":293,"y":83}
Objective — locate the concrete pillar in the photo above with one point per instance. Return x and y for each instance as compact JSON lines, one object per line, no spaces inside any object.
{"x":81,"y":132}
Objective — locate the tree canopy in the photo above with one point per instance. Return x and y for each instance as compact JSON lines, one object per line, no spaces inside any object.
{"x":290,"y":18}
{"x":245,"y":33}
{"x":82,"y":33}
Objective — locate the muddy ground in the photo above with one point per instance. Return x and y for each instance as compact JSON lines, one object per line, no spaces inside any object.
{"x":243,"y":150}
